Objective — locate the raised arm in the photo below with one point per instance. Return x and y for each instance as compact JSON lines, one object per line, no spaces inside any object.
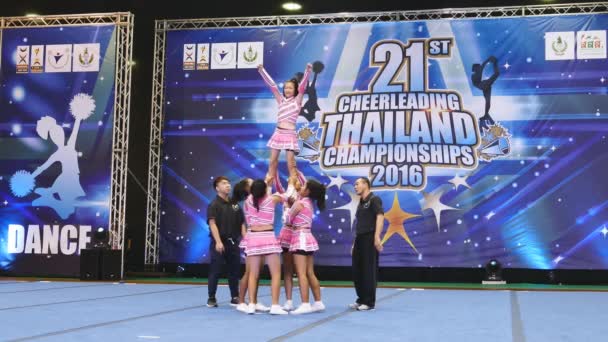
{"x":483,"y":65}
{"x":286,"y":194}
{"x":314,"y":81}
{"x":301,"y":177}
{"x":496,"y":72}
{"x":270,"y":83}
{"x":492,"y":60}
{"x":277,"y":184}
{"x":74,"y":134}
{"x":304,"y":81}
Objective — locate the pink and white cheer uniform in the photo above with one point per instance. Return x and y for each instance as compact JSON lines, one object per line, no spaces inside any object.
{"x":289,"y":109}
{"x":260,"y":242}
{"x":286,"y":232}
{"x":302,"y":238}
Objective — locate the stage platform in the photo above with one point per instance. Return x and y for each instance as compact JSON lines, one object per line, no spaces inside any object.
{"x":175,"y":311}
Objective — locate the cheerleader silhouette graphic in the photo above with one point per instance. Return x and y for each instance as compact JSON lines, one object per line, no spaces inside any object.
{"x":62,"y":195}
{"x":311,"y":107}
{"x":485,"y":85}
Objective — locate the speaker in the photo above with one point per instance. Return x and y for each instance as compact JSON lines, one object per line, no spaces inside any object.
{"x":90,"y":264}
{"x":99,"y":264}
{"x":110,"y":264}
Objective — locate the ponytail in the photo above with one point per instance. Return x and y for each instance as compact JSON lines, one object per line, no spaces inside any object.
{"x":258,"y":191}
{"x":317,"y":193}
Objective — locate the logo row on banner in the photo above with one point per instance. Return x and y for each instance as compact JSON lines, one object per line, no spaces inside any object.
{"x":243,"y":55}
{"x":58,"y":58}
{"x":567,"y":45}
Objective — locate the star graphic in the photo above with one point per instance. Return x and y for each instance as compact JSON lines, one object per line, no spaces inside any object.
{"x":351,"y":207}
{"x":507,"y":65}
{"x":490,"y":215}
{"x":602,"y":80}
{"x":458,"y":181}
{"x":604,"y":231}
{"x":432,"y":201}
{"x":558,"y":259}
{"x":337,"y":181}
{"x":396,"y":218}
{"x":282,"y":43}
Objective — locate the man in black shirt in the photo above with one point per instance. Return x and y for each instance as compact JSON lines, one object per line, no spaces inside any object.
{"x":227,"y":226}
{"x":367,"y":245}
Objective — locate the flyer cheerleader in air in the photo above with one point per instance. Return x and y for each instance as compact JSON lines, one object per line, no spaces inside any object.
{"x":290,"y":105}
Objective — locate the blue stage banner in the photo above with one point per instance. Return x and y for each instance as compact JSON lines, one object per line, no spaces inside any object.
{"x":484,"y":138}
{"x":57,"y":103}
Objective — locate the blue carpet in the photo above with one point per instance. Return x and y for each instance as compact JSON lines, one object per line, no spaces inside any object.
{"x":84,"y":311}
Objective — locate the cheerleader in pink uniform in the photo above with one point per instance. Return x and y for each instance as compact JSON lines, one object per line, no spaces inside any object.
{"x":303,"y":244}
{"x":239,"y":194}
{"x":262,"y":244}
{"x":289,"y":196}
{"x":290,"y":104}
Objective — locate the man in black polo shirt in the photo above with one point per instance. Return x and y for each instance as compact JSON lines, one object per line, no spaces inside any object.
{"x":227,"y":225}
{"x":367,"y":245}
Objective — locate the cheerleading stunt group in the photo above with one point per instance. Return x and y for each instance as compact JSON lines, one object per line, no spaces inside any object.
{"x":245,"y":222}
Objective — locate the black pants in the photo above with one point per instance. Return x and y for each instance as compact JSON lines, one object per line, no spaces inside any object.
{"x":232,"y":258}
{"x":365,"y":269}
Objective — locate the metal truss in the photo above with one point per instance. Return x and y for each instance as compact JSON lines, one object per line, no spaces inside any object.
{"x":162,"y":26}
{"x":120,"y":150}
{"x":67,"y":20}
{"x":151,"y":252}
{"x":365,"y":17}
{"x":122,"y":102}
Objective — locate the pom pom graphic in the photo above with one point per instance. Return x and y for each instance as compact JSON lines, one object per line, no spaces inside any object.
{"x":82,"y":106}
{"x":22,"y":183}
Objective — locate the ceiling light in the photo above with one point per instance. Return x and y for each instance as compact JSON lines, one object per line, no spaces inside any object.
{"x":292,"y":6}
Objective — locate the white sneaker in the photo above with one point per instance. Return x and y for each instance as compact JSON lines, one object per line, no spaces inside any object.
{"x":354,"y":305}
{"x":250,"y":309}
{"x":304,"y":308}
{"x":288,"y":306}
{"x":364,"y":307}
{"x":318,"y":306}
{"x":276,"y":310}
{"x":261,"y":307}
{"x":242,"y":307}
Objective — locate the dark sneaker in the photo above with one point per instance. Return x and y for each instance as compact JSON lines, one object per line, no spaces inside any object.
{"x":234,"y":301}
{"x":211,"y":302}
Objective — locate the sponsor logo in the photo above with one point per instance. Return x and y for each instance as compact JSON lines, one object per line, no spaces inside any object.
{"x":591,"y":44}
{"x":559,"y":46}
